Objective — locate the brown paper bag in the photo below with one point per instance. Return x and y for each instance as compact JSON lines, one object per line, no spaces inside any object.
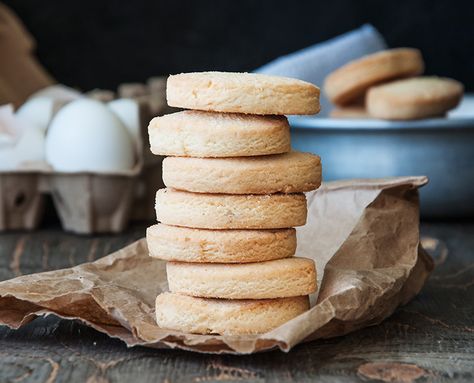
{"x":363,"y":235}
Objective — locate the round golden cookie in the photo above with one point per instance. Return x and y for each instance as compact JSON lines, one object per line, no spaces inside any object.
{"x":293,"y":172}
{"x":289,"y":277}
{"x":205,"y":134}
{"x":226,"y":317}
{"x":351,"y":81}
{"x":248,"y":93}
{"x":349,"y":112}
{"x":174,"y":243}
{"x":230,"y":211}
{"x":414,"y":98}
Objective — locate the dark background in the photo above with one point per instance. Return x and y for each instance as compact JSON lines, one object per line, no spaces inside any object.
{"x":97,"y":44}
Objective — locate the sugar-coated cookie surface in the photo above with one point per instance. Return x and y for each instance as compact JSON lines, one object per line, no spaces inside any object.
{"x":289,"y":277}
{"x":351,"y":81}
{"x":226,"y":317}
{"x":174,"y":243}
{"x":414,"y":98}
{"x":206,"y":134}
{"x":227,"y":211}
{"x":293,"y":172}
{"x":242,"y":93}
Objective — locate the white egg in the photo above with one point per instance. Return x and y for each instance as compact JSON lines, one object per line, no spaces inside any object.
{"x":41,"y":106}
{"x":128,"y":111}
{"x":58,"y":92}
{"x":21,"y":143}
{"x":37,"y":111}
{"x":86,"y":136}
{"x":30,"y":147}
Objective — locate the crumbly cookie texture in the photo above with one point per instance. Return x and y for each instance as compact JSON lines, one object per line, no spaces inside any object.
{"x":226,"y":211}
{"x":193,"y":133}
{"x":414,"y":98}
{"x":279,"y":278}
{"x":351,"y":81}
{"x":174,"y":243}
{"x":293,"y":172}
{"x":226,"y":317}
{"x":242,"y":93}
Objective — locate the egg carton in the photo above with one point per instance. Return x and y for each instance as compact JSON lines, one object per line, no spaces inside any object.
{"x":85,"y":203}
{"x":88,"y":203}
{"x":21,"y":202}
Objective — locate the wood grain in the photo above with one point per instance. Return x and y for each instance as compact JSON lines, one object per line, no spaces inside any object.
{"x":429,"y":340}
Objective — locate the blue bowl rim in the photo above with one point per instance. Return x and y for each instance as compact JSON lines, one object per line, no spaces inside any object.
{"x":321,"y":123}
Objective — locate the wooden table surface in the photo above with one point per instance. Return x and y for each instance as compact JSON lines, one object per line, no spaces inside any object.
{"x":429,"y":340}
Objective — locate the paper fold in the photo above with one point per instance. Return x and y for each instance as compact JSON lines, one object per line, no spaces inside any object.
{"x":363,"y":235}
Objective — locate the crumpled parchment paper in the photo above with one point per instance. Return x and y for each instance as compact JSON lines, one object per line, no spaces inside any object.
{"x":363,"y":235}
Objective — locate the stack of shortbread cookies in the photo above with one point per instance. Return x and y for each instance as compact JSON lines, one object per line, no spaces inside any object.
{"x":234,"y":195}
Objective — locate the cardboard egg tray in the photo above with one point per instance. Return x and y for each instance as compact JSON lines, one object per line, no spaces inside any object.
{"x":86,"y":203}
{"x":89,"y":203}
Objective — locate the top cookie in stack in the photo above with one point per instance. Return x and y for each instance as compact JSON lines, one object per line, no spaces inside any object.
{"x":234,"y":193}
{"x":247,"y":93}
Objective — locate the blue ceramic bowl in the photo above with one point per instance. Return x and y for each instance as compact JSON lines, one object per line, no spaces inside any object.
{"x":441,"y":148}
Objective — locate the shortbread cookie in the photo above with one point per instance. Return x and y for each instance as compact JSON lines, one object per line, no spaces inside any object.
{"x":414,"y":98}
{"x":206,"y":134}
{"x":242,"y":93}
{"x":350,"y":112}
{"x":174,"y":243}
{"x":351,"y":81}
{"x":226,"y":211}
{"x":290,"y":277}
{"x":293,"y":172}
{"x":226,"y":317}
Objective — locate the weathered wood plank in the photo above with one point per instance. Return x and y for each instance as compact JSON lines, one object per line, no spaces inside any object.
{"x":430,"y":339}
